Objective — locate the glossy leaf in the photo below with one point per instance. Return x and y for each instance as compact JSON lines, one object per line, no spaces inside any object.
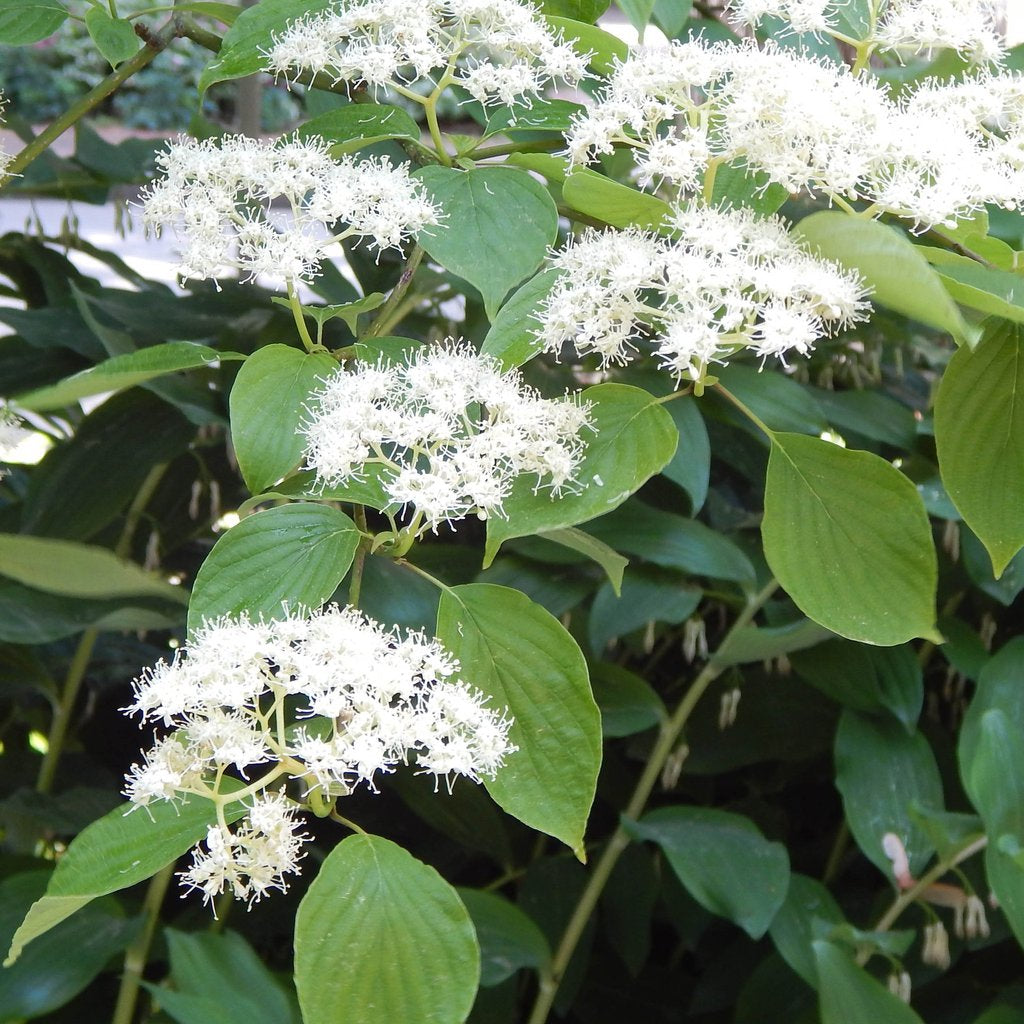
{"x":880,"y":771}
{"x":123,"y":372}
{"x":899,"y":276}
{"x":349,"y":128}
{"x":28,"y":21}
{"x":403,"y":939}
{"x":473,"y":239}
{"x":808,"y":910}
{"x":513,"y":338}
{"x":78,"y":570}
{"x":849,"y":995}
{"x":847,"y":536}
{"x":723,"y":860}
{"x":979,"y":434}
{"x":509,"y":940}
{"x":610,"y":560}
{"x":619,"y":205}
{"x":633,"y":438}
{"x":289,"y":557}
{"x":268,"y":405}
{"x":124,"y":847}
{"x":524,"y":660}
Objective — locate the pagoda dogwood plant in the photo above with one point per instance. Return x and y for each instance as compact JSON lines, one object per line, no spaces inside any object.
{"x":555,"y":551}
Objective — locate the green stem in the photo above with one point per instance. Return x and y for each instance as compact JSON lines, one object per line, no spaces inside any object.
{"x":136,"y":954}
{"x":746,"y":410}
{"x":358,"y":563}
{"x":383,"y":317}
{"x":914,"y":893}
{"x":537,"y":146}
{"x":620,"y":839}
{"x":300,"y":321}
{"x":154,"y":44}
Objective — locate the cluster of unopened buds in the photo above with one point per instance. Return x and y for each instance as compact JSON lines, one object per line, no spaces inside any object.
{"x":318,"y":704}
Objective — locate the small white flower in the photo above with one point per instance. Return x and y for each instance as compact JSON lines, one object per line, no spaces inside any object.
{"x":967,"y":26}
{"x":803,"y":15}
{"x":450,"y":431}
{"x":218,"y":197}
{"x":499,"y":52}
{"x":5,"y":157}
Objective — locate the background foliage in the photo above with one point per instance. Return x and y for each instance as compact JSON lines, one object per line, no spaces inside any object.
{"x":795,"y":647}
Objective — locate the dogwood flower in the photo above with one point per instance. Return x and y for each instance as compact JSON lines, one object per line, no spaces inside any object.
{"x":367,"y":700}
{"x":722,"y":281}
{"x":219,"y":198}
{"x":499,"y":51}
{"x":447,"y":431}
{"x":967,"y":26}
{"x":803,"y":15}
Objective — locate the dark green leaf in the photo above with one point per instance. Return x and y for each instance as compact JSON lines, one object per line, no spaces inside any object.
{"x":268,"y":405}
{"x":809,"y":910}
{"x":782,"y":403}
{"x":880,"y":771}
{"x":380,"y":937}
{"x":581,"y":10}
{"x":849,"y":995}
{"x":738,"y":186}
{"x":690,"y":467}
{"x":759,"y":643}
{"x":473,"y":239}
{"x":545,"y":115}
{"x":359,"y":124}
{"x":847,"y":535}
{"x":607,"y":558}
{"x":28,"y":21}
{"x":513,"y":338}
{"x":979,"y":434}
{"x":627,"y":702}
{"x":509,"y":940}
{"x":273,"y":563}
{"x":524,"y":660}
{"x":723,"y":860}
{"x":871,"y":414}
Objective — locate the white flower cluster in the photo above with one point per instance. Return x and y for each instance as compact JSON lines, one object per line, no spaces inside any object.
{"x":449,"y":431}
{"x":374,"y":699}
{"x":937,"y":154}
{"x":967,"y":26}
{"x":497,"y":50}
{"x":726,"y":280}
{"x":218,"y":195}
{"x":5,"y":157}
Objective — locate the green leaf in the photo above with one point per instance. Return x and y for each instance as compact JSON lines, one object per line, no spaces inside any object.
{"x":628,"y":703}
{"x":268,"y":405}
{"x":880,"y":770}
{"x":870,"y":414}
{"x":758,"y":643}
{"x":509,"y":940}
{"x":900,"y":277}
{"x":690,"y":467}
{"x":847,"y":536}
{"x":523,"y":659}
{"x":368,"y":491}
{"x":122,"y":372}
{"x":723,"y":860}
{"x":674,"y":542}
{"x":633,"y":438}
{"x":78,"y":570}
{"x":545,"y":115}
{"x":607,"y":558}
{"x":809,"y":910}
{"x":740,"y":187}
{"x":124,"y":847}
{"x":849,"y":995}
{"x":242,"y":50}
{"x":581,"y":10}
{"x":282,"y":559}
{"x":359,"y":124}
{"x":59,"y":965}
{"x":380,"y":937}
{"x":475,"y":238}
{"x":979,"y":434}
{"x":997,"y":292}
{"x":864,"y":678}
{"x":512,"y":338}
{"x":781,"y":402}
{"x":638,"y":12}
{"x":115,"y":38}
{"x":28,"y":21}
{"x":853,"y":17}
{"x":220,"y":978}
{"x":619,"y":205}
{"x":604,"y":49}
{"x":648,"y":595}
